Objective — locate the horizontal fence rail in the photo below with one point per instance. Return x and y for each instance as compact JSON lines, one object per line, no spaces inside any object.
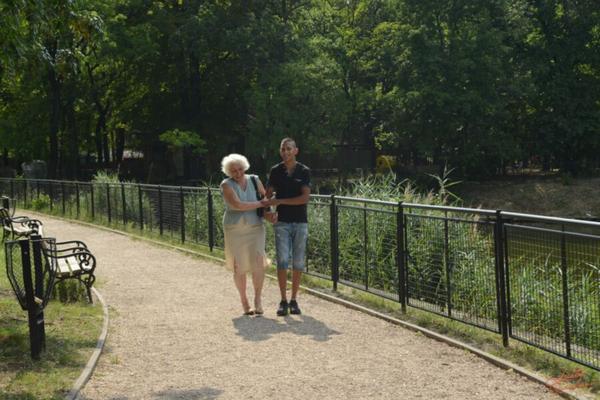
{"x":527,"y":277}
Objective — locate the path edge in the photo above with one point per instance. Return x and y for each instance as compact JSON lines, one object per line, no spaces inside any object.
{"x":497,"y":361}
{"x":93,"y":361}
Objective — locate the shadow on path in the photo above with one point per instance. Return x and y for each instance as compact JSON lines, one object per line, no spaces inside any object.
{"x":261,"y":328}
{"x":205,"y":393}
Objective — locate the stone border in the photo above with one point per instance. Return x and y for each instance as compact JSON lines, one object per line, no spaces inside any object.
{"x":93,"y":361}
{"x":497,"y":361}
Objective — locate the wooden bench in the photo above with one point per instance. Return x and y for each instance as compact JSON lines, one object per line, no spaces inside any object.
{"x":18,"y":227}
{"x":71,"y":259}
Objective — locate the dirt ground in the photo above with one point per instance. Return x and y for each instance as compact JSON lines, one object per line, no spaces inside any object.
{"x":177,"y":332}
{"x":553,"y":196}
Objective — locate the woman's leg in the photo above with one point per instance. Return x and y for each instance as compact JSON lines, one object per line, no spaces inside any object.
{"x":240,"y":283}
{"x":258,"y":279}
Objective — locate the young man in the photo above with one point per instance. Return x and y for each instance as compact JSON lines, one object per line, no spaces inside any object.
{"x":290,"y":181}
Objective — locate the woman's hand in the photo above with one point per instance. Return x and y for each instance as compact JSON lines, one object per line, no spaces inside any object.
{"x":270,"y":202}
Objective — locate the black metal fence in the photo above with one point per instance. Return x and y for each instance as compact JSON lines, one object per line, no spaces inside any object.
{"x":527,"y":277}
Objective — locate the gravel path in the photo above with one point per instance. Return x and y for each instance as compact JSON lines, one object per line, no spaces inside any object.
{"x":176,"y":333}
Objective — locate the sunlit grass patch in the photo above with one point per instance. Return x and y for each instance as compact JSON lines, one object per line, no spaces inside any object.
{"x":71,"y":333}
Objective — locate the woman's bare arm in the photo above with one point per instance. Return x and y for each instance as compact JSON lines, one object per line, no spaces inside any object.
{"x":234,"y":201}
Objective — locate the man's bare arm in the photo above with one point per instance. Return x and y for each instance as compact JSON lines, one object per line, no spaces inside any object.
{"x":294,"y":201}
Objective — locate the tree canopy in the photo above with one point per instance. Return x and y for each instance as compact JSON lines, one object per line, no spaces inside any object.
{"x":469,"y":84}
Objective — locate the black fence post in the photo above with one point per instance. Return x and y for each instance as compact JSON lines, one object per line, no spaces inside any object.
{"x":124,"y":204}
{"x":365,"y":247}
{"x":448,"y":267}
{"x":565,"y":291}
{"x":400,"y":257}
{"x":62,"y":190}
{"x":92,"y":200}
{"x":160,"y":218}
{"x":24,"y":193}
{"x":6,"y":203}
{"x":77,"y":196}
{"x":51,"y":190}
{"x":108,"y":210}
{"x":501,"y":292}
{"x":141,"y":206}
{"x":182,"y":213}
{"x":36,"y":331}
{"x":211,"y":223}
{"x":38,"y":267}
{"x":333,"y":240}
{"x":12,"y":189}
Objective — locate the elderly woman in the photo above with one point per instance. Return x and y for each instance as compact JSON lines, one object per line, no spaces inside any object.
{"x":244,"y":229}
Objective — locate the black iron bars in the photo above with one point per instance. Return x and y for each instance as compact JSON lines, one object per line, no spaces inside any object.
{"x":32,"y":288}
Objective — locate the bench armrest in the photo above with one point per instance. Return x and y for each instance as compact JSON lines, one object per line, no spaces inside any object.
{"x":25,"y":220}
{"x":85,"y":259}
{"x":78,"y":243}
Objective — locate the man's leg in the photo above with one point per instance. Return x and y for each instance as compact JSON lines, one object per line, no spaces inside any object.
{"x":282,"y":280}
{"x":296,"y":277}
{"x":282,"y":249}
{"x":299,"y":239}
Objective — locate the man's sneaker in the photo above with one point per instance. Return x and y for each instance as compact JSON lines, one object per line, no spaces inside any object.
{"x":283,"y":308}
{"x":294,"y":309}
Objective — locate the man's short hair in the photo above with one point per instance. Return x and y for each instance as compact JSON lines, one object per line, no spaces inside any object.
{"x":288,"y":140}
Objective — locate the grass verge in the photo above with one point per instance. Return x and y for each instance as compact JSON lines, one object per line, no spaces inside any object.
{"x":72,"y":330}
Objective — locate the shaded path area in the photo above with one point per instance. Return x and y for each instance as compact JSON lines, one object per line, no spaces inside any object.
{"x":177,"y":333}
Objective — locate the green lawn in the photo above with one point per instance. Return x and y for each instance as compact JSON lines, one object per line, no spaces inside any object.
{"x":71,"y":334}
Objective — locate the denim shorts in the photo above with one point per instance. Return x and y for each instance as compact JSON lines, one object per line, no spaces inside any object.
{"x":290,"y":244}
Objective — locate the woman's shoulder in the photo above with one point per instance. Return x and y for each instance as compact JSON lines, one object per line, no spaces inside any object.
{"x":225,"y":182}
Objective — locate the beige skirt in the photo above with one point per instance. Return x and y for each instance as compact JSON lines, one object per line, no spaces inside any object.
{"x":245,"y":247}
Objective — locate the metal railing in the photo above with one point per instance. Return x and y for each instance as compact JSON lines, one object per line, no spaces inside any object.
{"x":527,"y":277}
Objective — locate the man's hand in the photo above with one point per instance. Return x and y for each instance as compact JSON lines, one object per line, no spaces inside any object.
{"x":271,"y":216}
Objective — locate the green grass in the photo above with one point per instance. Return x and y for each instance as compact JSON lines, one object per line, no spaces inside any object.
{"x":71,"y":333}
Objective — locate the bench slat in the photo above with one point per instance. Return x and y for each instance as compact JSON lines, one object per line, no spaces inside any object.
{"x":67,"y":266}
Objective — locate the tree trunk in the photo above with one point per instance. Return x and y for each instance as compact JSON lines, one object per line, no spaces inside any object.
{"x":119,"y":145}
{"x":72,"y":159}
{"x":54,"y":94}
{"x":105,"y":147}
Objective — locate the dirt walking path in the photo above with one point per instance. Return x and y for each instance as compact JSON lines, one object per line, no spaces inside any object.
{"x":177,"y":333}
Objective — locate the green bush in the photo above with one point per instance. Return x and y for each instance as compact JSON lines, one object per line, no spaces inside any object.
{"x":41,"y":203}
{"x":69,"y":291}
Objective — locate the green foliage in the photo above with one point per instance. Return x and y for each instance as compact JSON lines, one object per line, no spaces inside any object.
{"x":41,"y":203}
{"x":69,"y":291}
{"x":472,"y":85}
{"x":180,"y":139}
{"x":105,"y":177}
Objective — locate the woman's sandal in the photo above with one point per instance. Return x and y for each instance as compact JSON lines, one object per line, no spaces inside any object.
{"x":258,"y":310}
{"x":249,"y":312}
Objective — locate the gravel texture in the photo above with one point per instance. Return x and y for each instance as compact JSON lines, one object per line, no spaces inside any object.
{"x":177,"y":333}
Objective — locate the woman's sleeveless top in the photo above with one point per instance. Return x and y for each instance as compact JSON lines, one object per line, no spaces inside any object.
{"x":233,"y":216}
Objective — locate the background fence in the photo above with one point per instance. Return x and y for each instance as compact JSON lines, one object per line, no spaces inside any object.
{"x":527,"y":277}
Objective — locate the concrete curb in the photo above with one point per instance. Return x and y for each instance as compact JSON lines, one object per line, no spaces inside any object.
{"x":93,"y":361}
{"x":499,"y":362}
